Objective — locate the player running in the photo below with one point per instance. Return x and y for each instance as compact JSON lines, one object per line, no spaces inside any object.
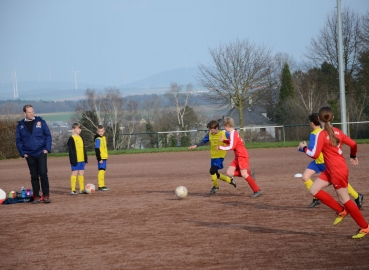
{"x":240,"y":165}
{"x":329,"y":142}
{"x":217,"y":156}
{"x":317,"y":165}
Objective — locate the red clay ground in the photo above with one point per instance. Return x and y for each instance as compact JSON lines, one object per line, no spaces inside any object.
{"x":140,"y":224}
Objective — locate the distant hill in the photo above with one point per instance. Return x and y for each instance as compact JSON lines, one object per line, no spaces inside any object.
{"x":156,"y":84}
{"x":160,"y":82}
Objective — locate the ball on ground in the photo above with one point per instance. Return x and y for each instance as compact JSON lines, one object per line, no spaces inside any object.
{"x":90,"y":188}
{"x":181,"y":192}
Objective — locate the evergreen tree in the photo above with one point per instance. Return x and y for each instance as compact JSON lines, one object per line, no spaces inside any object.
{"x":152,"y":137}
{"x":286,"y":93}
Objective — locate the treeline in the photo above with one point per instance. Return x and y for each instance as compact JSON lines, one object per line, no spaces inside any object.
{"x":8,"y":107}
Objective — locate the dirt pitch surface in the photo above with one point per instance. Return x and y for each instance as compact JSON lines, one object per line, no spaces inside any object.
{"x":140,"y":224}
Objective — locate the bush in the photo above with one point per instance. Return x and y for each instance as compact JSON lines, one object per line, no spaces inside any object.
{"x":8,"y":148}
{"x":185,"y":141}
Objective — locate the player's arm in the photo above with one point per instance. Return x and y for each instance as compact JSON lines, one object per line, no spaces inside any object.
{"x":318,"y":146}
{"x":204,"y":141}
{"x":97,"y":149}
{"x":225,"y":139}
{"x":311,"y":143}
{"x":353,"y":149}
{"x":229,"y":142}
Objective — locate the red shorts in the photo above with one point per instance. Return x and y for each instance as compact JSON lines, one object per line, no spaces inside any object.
{"x":338,"y":179}
{"x":241,"y":163}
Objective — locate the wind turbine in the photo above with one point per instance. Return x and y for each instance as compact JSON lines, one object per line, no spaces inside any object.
{"x":75,"y":77}
{"x":15,"y":84}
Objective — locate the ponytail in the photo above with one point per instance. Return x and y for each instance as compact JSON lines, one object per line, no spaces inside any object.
{"x":326,"y":116}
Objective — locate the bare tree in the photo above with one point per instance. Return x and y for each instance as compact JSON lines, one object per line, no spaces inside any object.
{"x":151,"y":108}
{"x":8,"y":111}
{"x":309,"y":96}
{"x":365,"y":31}
{"x":179,"y":97}
{"x":238,"y":75}
{"x":324,"y":48}
{"x":113,"y":107}
{"x":107,"y":107}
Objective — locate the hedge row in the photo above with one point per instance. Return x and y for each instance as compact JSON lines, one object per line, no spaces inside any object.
{"x":7,"y":135}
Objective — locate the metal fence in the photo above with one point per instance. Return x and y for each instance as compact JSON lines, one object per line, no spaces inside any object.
{"x":356,"y":130}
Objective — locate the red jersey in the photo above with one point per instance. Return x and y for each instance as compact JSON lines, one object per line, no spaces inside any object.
{"x":236,"y":144}
{"x":333,"y":156}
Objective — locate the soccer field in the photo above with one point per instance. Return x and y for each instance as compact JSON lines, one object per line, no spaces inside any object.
{"x":141,"y":224}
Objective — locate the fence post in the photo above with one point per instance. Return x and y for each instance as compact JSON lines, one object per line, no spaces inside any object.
{"x":157,"y":135}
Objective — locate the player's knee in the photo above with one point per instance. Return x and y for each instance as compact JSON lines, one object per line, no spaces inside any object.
{"x":313,"y":191}
{"x":213,"y":170}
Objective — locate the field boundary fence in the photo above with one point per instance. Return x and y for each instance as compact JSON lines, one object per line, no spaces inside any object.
{"x":277,"y":133}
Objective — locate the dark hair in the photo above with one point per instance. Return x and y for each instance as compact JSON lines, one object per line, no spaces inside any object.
{"x":27,"y":106}
{"x":314,"y":118}
{"x":213,"y":124}
{"x":100,"y":127}
{"x":326,"y":116}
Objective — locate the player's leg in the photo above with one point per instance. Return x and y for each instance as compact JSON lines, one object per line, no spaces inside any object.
{"x":73,"y":180}
{"x":243,"y":164}
{"x":357,"y":196}
{"x":101,"y":176}
{"x":316,"y":190}
{"x":354,"y":211}
{"x":214,"y":178}
{"x":81,"y":181}
{"x":306,"y":178}
{"x":218,"y":163}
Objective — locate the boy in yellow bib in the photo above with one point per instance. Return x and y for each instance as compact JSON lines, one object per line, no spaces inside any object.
{"x":217,"y":156}
{"x":78,"y":159}
{"x":101,"y":151}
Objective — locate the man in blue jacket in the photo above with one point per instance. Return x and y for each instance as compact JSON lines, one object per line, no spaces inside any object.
{"x":33,"y":140}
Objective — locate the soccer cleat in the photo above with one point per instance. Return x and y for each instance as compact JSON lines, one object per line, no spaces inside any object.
{"x":361,"y":233}
{"x":214,"y":190}
{"x":82,"y":192}
{"x":359,"y":200}
{"x":256,"y":194}
{"x":233,"y":182}
{"x":42,"y":199}
{"x":314,"y":203}
{"x":253,"y":175}
{"x":47,"y":199}
{"x":36,"y":200}
{"x":340,"y":216}
{"x":104,"y":188}
{"x":73,"y":192}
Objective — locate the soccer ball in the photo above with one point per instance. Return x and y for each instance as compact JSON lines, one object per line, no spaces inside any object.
{"x":181,"y":192}
{"x":90,"y":188}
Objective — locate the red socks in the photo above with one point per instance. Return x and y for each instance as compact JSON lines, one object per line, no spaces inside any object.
{"x":252,"y":184}
{"x":355,"y":213}
{"x":328,"y":200}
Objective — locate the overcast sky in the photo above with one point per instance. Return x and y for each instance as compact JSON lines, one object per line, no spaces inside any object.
{"x":112,"y":42}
